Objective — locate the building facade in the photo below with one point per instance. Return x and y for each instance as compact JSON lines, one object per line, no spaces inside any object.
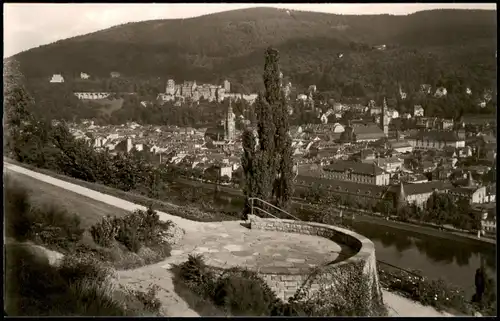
{"x":356,"y":172}
{"x":425,"y":140}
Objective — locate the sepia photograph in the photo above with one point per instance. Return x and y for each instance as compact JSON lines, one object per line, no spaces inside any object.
{"x":250,"y":160}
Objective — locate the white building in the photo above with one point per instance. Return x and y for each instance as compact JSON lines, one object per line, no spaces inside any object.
{"x":418,"y":111}
{"x":392,"y":113}
{"x":227,"y":86}
{"x":92,"y":95}
{"x":57,"y":78}
{"x":170,"y":90}
{"x":226,"y":171}
{"x":441,"y":92}
{"x":84,"y":75}
{"x":390,"y":165}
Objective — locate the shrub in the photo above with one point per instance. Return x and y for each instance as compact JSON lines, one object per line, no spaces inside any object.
{"x":56,"y":227}
{"x":105,"y":231}
{"x":48,"y":225}
{"x":347,"y":293}
{"x":35,"y":288}
{"x":435,"y":293}
{"x":128,"y":235}
{"x":77,"y":267}
{"x":149,"y":299}
{"x":197,"y":275}
{"x":243,"y":292}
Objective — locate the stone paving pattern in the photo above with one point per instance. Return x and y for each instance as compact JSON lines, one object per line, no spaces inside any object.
{"x":160,"y":274}
{"x":260,"y":249}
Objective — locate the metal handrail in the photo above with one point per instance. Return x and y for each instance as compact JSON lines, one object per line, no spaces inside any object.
{"x":258,"y":208}
{"x":401,"y":269}
{"x":252,"y":206}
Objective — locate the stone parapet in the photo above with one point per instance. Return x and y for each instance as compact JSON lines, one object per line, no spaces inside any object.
{"x":287,"y":281}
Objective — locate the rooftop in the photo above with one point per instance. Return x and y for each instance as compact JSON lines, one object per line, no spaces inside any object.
{"x":357,"y":168}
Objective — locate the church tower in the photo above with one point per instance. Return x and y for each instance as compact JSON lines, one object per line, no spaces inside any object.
{"x":384,"y":120}
{"x":230,"y":123}
{"x":401,"y":197}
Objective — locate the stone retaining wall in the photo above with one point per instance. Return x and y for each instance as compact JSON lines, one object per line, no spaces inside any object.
{"x":287,"y":281}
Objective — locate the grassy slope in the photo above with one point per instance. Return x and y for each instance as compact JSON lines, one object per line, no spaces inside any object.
{"x":89,"y":210}
{"x":173,"y":209}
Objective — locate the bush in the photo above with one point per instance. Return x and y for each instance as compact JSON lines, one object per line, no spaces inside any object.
{"x":149,"y":299}
{"x":435,"y":293}
{"x":197,"y":275}
{"x":78,"y":287}
{"x":105,"y":231}
{"x":35,"y":288}
{"x":243,"y":292}
{"x":128,"y":235}
{"x":238,"y":291}
{"x":56,"y":227}
{"x":78,"y":267}
{"x":141,"y":233}
{"x":347,"y":293}
{"x":48,"y":225}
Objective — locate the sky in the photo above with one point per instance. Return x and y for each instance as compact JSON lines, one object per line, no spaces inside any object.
{"x":29,"y":25}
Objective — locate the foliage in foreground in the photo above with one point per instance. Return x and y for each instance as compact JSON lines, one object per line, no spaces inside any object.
{"x":138,"y":229}
{"x":48,"y":225}
{"x":343,"y":291}
{"x":244,"y":293}
{"x":436,"y":293}
{"x":78,"y":286}
{"x":139,"y":238}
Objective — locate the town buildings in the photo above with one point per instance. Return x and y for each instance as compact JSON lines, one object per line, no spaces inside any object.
{"x":418,"y":194}
{"x":435,"y":139}
{"x":192,"y":91}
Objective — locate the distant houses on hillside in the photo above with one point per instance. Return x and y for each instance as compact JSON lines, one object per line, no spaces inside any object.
{"x":92,"y":95}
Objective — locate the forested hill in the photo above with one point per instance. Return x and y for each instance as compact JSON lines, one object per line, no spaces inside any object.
{"x":421,"y":48}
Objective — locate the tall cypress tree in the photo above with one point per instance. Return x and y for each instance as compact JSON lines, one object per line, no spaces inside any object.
{"x":268,"y":164}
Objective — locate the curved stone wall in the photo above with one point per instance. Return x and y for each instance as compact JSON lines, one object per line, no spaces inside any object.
{"x":287,"y":281}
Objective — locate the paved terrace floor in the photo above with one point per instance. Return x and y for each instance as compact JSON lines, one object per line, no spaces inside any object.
{"x":224,"y":244}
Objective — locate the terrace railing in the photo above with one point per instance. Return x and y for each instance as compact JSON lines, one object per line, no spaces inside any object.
{"x":257,"y":205}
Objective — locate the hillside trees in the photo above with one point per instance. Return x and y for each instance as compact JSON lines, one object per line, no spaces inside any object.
{"x":268,"y":164}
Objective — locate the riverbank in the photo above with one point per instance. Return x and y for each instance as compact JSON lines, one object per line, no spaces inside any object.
{"x":365,"y":217}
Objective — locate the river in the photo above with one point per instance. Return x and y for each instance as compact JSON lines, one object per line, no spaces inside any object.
{"x":455,"y":260}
